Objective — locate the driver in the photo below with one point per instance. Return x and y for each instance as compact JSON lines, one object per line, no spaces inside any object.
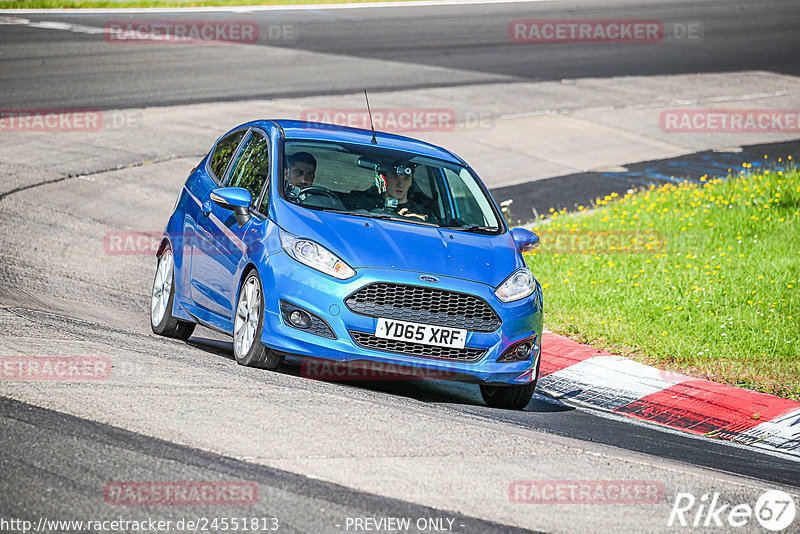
{"x":299,"y":173}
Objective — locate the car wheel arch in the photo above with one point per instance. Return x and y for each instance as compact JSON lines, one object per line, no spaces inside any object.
{"x":164,"y":242}
{"x":248,"y":268}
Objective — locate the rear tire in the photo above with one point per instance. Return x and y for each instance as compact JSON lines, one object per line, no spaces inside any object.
{"x":248,"y":323}
{"x":162,"y":321}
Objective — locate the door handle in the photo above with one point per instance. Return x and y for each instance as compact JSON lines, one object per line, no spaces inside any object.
{"x":207,"y":207}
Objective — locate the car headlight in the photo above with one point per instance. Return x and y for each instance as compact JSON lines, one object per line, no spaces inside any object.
{"x":517,"y":286}
{"x":315,"y":256}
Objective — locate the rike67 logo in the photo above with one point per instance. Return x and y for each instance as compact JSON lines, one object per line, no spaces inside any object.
{"x":774,"y":510}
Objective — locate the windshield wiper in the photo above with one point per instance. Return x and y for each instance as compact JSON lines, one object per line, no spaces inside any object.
{"x":387,"y":217}
{"x":381,"y":216}
{"x":321,"y":208}
{"x":476,"y":228}
{"x":415,"y":220}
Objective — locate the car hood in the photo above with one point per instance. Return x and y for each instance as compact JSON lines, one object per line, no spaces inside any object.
{"x":367,"y":242}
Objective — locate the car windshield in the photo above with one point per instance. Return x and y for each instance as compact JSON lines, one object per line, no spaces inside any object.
{"x":382,"y":183}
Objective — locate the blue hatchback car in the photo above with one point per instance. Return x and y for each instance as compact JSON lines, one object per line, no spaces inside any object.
{"x":342,"y":246}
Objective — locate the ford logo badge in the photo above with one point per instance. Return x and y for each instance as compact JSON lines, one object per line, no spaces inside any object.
{"x":426,"y":278}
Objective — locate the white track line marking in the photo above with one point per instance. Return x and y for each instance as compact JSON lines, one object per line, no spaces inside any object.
{"x":51,"y":25}
{"x":10,"y":21}
{"x":65,"y":26}
{"x":247,"y":9}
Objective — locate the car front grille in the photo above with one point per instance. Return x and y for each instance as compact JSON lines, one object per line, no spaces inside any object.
{"x":371,"y":341}
{"x":424,"y":305}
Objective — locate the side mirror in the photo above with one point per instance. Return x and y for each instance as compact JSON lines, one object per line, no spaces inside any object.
{"x":525,"y":239}
{"x":236,"y":199}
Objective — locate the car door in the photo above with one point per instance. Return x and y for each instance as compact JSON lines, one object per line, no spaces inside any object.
{"x":219,"y":243}
{"x":205,"y":178}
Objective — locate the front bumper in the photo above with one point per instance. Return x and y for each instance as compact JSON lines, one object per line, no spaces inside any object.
{"x":285,"y":279}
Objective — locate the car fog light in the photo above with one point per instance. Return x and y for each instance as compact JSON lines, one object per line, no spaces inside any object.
{"x":519,"y":351}
{"x":300,"y":319}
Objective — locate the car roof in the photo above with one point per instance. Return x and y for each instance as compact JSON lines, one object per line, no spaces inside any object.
{"x":294,"y":129}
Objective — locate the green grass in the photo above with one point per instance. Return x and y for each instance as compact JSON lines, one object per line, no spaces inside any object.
{"x":698,"y":279}
{"x":60,"y":4}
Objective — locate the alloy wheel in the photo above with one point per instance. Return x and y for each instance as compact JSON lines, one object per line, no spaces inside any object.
{"x":248,"y":311}
{"x":162,"y":288}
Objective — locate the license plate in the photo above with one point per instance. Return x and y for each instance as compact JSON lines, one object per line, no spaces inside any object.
{"x":425,"y":334}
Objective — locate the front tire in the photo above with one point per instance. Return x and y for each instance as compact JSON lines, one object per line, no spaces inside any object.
{"x":511,"y":397}
{"x":163,"y":295}
{"x":508,"y":397}
{"x":247,"y":326}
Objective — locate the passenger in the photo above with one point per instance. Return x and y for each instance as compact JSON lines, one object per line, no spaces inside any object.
{"x":389,"y":193}
{"x":398,"y":183}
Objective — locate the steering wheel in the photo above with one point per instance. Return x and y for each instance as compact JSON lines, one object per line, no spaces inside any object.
{"x":316,"y":190}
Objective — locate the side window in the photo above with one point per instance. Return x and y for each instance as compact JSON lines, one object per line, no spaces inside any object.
{"x":471,"y":203}
{"x":251,"y":168}
{"x":224,"y":152}
{"x":264,"y":203}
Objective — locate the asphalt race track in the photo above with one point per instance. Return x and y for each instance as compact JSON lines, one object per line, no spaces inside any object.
{"x":323,"y":454}
{"x":402,"y":48}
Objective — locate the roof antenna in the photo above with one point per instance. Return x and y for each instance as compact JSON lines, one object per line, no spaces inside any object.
{"x":374,"y":141}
